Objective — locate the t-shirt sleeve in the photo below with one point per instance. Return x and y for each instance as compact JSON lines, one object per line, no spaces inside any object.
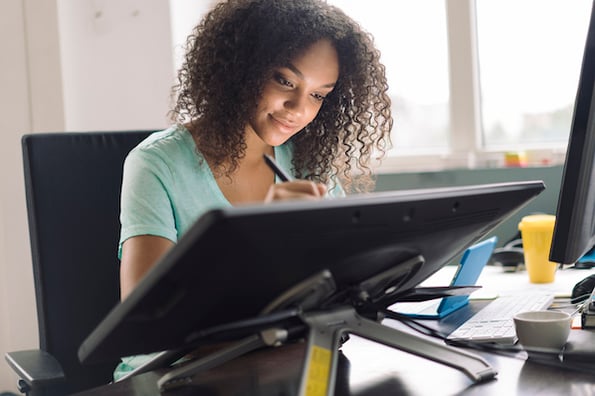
{"x":145,"y":205}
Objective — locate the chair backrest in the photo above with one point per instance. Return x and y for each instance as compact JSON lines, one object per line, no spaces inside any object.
{"x":72,"y":184}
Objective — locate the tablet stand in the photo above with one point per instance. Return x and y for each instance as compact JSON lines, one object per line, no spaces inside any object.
{"x":325,"y":327}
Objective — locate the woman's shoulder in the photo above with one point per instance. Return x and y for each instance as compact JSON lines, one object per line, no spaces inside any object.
{"x":174,"y":138}
{"x":171,"y":150}
{"x":172,"y":144}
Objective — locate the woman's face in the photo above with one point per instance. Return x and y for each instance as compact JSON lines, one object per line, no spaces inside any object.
{"x":294,"y":95}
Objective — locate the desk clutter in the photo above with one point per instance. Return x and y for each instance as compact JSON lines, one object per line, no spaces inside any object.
{"x":365,"y":367}
{"x":327,"y":330}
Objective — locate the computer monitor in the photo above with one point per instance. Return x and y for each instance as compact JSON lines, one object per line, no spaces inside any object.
{"x":574,"y":232}
{"x":233,"y":263}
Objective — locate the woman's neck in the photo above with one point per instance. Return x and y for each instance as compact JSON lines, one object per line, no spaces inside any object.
{"x":252,"y":178}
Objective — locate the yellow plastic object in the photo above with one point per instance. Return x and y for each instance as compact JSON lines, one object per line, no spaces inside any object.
{"x":537,"y":232}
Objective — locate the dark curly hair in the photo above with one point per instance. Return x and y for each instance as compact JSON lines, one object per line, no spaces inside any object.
{"x":235,"y":50}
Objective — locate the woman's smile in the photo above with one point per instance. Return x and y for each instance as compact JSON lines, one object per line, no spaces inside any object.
{"x":284,"y":125}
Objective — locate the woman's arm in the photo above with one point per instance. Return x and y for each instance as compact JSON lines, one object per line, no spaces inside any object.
{"x":139,"y":254}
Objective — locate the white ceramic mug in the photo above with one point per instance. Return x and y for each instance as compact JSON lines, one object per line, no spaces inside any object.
{"x":542,"y":329}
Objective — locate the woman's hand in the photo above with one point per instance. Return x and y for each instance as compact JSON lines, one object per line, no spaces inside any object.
{"x":296,"y":189}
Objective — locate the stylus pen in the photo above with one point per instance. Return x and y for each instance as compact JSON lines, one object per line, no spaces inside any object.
{"x":281,"y":174}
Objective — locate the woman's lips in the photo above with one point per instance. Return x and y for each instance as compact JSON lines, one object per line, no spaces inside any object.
{"x":284,"y":124}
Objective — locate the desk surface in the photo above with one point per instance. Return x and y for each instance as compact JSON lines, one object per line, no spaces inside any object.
{"x":369,"y":368}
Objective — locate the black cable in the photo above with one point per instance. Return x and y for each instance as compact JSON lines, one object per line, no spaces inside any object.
{"x":581,"y":298}
{"x":413,"y":324}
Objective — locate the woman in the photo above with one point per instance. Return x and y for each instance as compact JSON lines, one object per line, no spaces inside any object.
{"x":297,"y":80}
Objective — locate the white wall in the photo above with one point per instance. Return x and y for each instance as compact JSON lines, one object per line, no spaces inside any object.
{"x":117,"y":63}
{"x":68,"y":65}
{"x":30,"y":99}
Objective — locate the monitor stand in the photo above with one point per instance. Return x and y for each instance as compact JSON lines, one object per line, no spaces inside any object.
{"x":325,"y":328}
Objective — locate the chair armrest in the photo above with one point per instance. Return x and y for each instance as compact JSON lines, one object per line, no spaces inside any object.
{"x":36,"y":368}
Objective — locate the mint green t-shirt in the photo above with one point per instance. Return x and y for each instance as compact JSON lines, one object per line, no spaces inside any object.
{"x":167,"y":185}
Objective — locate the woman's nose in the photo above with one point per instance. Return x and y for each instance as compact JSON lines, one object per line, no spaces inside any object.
{"x":296,"y":104}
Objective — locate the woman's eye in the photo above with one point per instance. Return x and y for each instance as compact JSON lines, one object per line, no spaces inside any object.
{"x":319,"y":97}
{"x":283,"y":81}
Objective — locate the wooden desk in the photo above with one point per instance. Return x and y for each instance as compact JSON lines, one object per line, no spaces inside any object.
{"x":368,"y":368}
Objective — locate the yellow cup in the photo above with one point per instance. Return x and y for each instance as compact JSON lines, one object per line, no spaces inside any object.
{"x":537,"y":232}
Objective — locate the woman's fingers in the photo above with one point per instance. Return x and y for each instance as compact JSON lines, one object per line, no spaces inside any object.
{"x":297,"y":189}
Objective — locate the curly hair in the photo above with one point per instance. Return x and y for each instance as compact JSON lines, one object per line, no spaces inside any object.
{"x":234,"y":51}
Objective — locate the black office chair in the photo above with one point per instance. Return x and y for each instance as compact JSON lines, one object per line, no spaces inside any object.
{"x":72,"y":183}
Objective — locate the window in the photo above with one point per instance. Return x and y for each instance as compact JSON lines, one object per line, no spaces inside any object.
{"x":530,"y":55}
{"x":472,"y":80}
{"x":411,"y":36}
